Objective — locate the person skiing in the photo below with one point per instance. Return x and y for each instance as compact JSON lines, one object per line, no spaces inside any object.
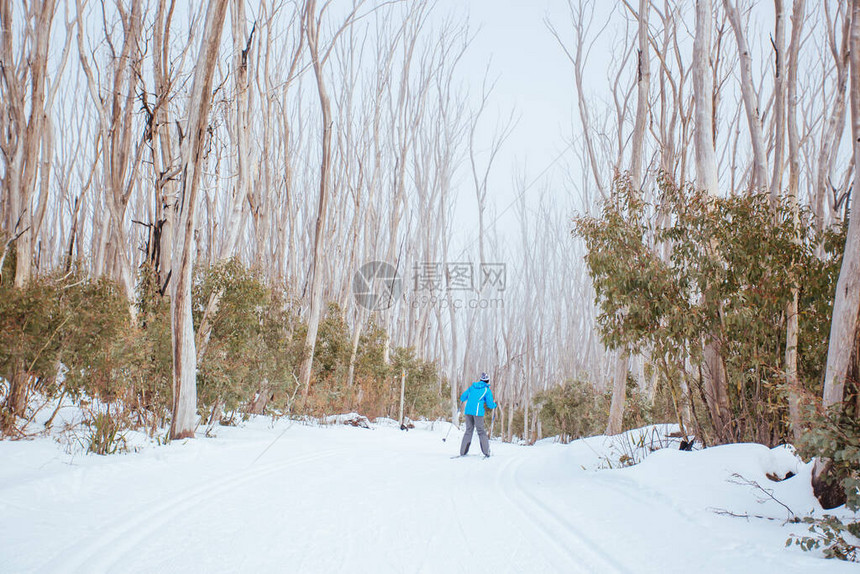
{"x":476,"y":397}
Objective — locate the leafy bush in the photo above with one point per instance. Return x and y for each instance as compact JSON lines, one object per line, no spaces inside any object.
{"x":835,"y":436}
{"x":106,"y":434}
{"x":638,"y":409}
{"x":423,"y":395}
{"x":836,"y":539}
{"x":30,"y":343}
{"x":573,"y":410}
{"x":665,"y":274}
{"x":251,"y":353}
{"x":249,"y":346}
{"x":331,"y":355}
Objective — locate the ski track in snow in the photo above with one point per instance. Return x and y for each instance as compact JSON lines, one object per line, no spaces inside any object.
{"x":338,"y":499}
{"x":104,"y":551}
{"x":597,"y":559}
{"x":578,"y":553}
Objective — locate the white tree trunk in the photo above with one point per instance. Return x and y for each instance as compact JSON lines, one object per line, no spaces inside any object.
{"x":751,"y":106}
{"x":637,"y":151}
{"x":779,"y":100}
{"x":619,"y":394}
{"x":707,"y":179}
{"x":846,"y":303}
{"x":316,"y":302}
{"x":182,"y":328}
{"x":792,"y":320}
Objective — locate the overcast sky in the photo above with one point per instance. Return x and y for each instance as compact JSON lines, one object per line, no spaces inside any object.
{"x":534,"y":79}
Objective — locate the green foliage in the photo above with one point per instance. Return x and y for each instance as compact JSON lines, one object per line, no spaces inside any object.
{"x":835,"y":436}
{"x":573,"y":410}
{"x":331,"y":356}
{"x":106,"y":435}
{"x":251,"y":348}
{"x":154,"y":348}
{"x":370,"y":360}
{"x":833,"y":537}
{"x":82,"y":327}
{"x":30,"y":322}
{"x":423,"y":394}
{"x":689,"y":265}
{"x":95,"y":349}
{"x":638,"y":410}
{"x":250,"y":345}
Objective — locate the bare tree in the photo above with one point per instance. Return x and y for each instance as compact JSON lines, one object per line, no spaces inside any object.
{"x":779,"y":101}
{"x":750,"y":98}
{"x":182,"y":328}
{"x":846,"y":303}
{"x":319,"y":54}
{"x":637,"y":151}
{"x":23,"y":133}
{"x":791,"y":313}
{"x":707,"y":179}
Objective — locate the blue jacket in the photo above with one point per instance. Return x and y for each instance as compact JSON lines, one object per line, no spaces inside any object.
{"x":476,"y":396}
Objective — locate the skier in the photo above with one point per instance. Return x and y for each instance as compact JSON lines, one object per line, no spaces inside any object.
{"x":476,"y":397}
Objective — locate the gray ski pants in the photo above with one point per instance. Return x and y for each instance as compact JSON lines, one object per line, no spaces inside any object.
{"x":473,"y":422}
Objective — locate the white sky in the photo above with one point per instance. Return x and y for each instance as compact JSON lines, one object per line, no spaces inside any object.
{"x":534,"y":79}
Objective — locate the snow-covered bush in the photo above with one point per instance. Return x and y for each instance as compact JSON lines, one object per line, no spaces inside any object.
{"x":835,"y":436}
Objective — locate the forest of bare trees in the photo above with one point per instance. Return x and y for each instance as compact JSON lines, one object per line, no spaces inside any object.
{"x":301,"y":139}
{"x":146,"y":142}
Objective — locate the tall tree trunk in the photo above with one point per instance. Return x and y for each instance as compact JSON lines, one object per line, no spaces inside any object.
{"x":643,"y":81}
{"x":846,"y":303}
{"x":792,"y":322}
{"x":21,"y":172}
{"x":716,"y":392}
{"x":182,"y":329}
{"x":779,"y":100}
{"x":163,"y":160}
{"x":619,"y":394}
{"x":241,"y":48}
{"x":835,"y":126}
{"x":751,"y":106}
{"x":316,"y":303}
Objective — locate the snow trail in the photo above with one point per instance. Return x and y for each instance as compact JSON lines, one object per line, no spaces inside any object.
{"x":342,"y":499}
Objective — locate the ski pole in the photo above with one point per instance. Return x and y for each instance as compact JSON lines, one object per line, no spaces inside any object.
{"x":493,"y":421}
{"x":450,"y":427}
{"x":447,"y":433}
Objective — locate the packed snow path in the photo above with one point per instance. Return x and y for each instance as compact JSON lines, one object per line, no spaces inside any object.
{"x":296,"y":498}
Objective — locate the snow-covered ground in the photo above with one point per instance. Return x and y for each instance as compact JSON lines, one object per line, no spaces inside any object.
{"x":293,"y":497}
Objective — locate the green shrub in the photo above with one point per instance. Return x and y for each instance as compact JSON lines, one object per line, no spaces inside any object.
{"x":334,"y":345}
{"x":572,"y":410}
{"x":251,"y":352}
{"x":423,"y":396}
{"x":106,"y":434}
{"x":835,"y":435}
{"x":691,"y":264}
{"x":638,"y":410}
{"x":31,"y":324}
